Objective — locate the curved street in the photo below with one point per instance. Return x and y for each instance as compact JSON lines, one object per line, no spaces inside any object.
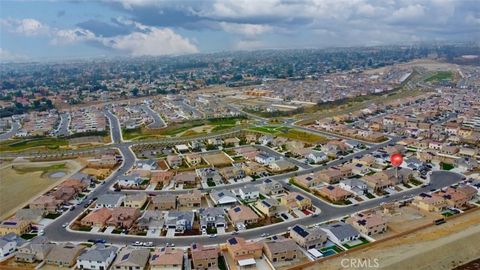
{"x":56,"y":232}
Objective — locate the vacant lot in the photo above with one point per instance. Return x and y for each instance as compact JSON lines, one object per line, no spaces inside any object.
{"x":22,"y":182}
{"x":440,"y":76}
{"x":434,"y":248}
{"x":218,"y":159}
{"x":40,"y":143}
{"x":291,"y":133}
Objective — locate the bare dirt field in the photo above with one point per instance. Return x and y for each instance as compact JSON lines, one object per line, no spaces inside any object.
{"x":217,"y":159}
{"x":428,"y":64}
{"x":433,"y":248}
{"x":22,"y":182}
{"x":98,"y":173}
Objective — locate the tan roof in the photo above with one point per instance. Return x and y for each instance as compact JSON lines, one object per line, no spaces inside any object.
{"x":200,"y":252}
{"x":241,"y":213}
{"x":166,"y":256}
{"x":98,"y":216}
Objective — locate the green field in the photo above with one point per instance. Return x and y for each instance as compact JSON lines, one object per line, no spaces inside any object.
{"x":291,"y":133}
{"x":44,"y":170}
{"x":174,"y":129}
{"x":22,"y":144}
{"x":440,"y":76}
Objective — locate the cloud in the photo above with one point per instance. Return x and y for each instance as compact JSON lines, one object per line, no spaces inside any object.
{"x":155,"y":42}
{"x":7,"y":56}
{"x":71,"y":36}
{"x":27,"y":27}
{"x":245,"y":29}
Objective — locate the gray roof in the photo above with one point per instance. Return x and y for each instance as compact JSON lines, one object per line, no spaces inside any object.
{"x":29,"y":214}
{"x":217,"y":195}
{"x":342,"y":230}
{"x":98,"y":253}
{"x":11,"y":237}
{"x":174,"y":216}
{"x":353,"y":182}
{"x":132,"y":257}
{"x":212,"y":212}
{"x":109,"y":199}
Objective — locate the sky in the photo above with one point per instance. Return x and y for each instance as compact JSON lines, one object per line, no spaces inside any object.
{"x":55,"y":30}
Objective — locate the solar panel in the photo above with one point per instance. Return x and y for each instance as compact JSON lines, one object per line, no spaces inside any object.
{"x":125,"y":256}
{"x":300,"y":231}
{"x":221,"y":194}
{"x":309,"y":178}
{"x":154,"y":257}
{"x":266,"y":203}
{"x":232,"y":241}
{"x":299,"y":197}
{"x":237,"y":209}
{"x":194,"y":246}
{"x":268,"y":181}
{"x":330,"y":187}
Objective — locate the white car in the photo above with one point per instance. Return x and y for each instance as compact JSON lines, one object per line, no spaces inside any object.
{"x":65,"y":225}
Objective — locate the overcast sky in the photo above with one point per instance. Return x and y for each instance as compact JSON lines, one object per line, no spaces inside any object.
{"x":59,"y":29}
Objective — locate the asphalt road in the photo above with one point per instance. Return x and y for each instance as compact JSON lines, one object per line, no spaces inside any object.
{"x":157,"y":120}
{"x":9,"y":134}
{"x":55,"y":231}
{"x":63,"y":126}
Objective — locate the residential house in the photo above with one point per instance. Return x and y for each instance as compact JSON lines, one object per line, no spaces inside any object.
{"x":281,"y":165}
{"x":129,"y":181}
{"x":280,"y":249}
{"x":334,"y":193}
{"x":136,"y":200}
{"x":174,"y":161}
{"x":307,"y":181}
{"x":270,"y":207}
{"x":208,"y":175}
{"x":9,"y":244}
{"x":204,"y":258}
{"x":123,"y":217}
{"x":271,"y":187}
{"x":264,"y":158}
{"x":232,"y":142}
{"x":430,"y":203}
{"x":191,"y":199}
{"x":295,"y":200}
{"x":341,"y":232}
{"x":179,"y":220}
{"x":354,"y":185}
{"x":109,"y":200}
{"x":223,"y":197}
{"x":47,"y":203}
{"x":64,"y":254}
{"x":35,"y":250}
{"x":130,"y":258}
{"x":31,"y":215}
{"x":232,"y":173}
{"x":242,"y":251}
{"x":146,"y":164}
{"x":15,"y":226}
{"x":212,"y":217}
{"x":368,"y":223}
{"x":317,"y":156}
{"x":330,"y":176}
{"x":166,"y":258}
{"x":185,"y":178}
{"x":161,"y":177}
{"x":97,"y":257}
{"x":151,"y":220}
{"x":242,"y":214}
{"x":249,"y":193}
{"x":97,"y":218}
{"x":308,"y":237}
{"x":193,"y":159}
{"x":165,"y":201}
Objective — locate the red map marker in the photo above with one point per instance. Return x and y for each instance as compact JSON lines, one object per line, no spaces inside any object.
{"x":396,"y":159}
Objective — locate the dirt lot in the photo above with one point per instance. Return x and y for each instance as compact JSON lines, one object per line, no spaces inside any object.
{"x":406,"y":218}
{"x":25,"y":181}
{"x":434,"y":248}
{"x":218,"y":159}
{"x":99,"y":173}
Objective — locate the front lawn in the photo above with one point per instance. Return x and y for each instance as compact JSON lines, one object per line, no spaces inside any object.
{"x":446,"y":166}
{"x":363,"y":242}
{"x":53,"y":216}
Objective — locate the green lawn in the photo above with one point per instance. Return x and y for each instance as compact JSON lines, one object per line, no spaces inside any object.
{"x":415,"y":182}
{"x":28,"y":236}
{"x":53,"y":216}
{"x":446,"y":166}
{"x":440,"y":76}
{"x":22,"y":144}
{"x":364,"y":241}
{"x":334,"y":248}
{"x":46,"y":169}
